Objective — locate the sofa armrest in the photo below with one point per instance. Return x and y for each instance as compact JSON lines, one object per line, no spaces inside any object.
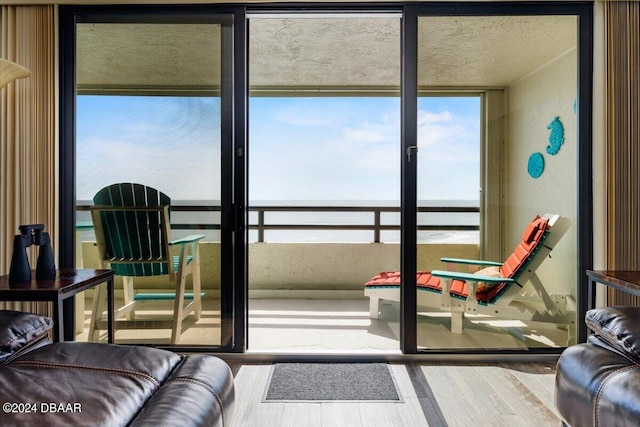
{"x":199,"y":391}
{"x":21,"y":332}
{"x":617,"y":326}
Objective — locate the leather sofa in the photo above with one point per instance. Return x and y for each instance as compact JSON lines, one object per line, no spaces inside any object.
{"x":90,"y":384}
{"x":598,"y":382}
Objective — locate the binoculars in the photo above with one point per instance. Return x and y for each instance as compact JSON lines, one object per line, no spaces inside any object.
{"x":20,"y":270}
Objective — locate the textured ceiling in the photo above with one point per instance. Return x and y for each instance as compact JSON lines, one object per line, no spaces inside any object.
{"x":147,"y":56}
{"x":329,"y":52}
{"x":322,"y":53}
{"x":490,"y":51}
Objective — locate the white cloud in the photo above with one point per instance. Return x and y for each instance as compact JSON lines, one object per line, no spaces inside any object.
{"x":445,"y":139}
{"x":428,"y":117}
{"x":365,"y":134}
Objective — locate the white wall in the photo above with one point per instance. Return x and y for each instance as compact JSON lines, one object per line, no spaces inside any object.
{"x":534,"y":101}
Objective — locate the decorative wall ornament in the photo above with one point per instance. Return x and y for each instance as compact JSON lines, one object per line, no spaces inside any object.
{"x":535,"y":167}
{"x":556,"y":138}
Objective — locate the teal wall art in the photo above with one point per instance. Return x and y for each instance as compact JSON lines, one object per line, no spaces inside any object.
{"x":556,"y":137}
{"x":535,"y":167}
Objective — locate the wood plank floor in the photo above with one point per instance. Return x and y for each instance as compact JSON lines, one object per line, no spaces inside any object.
{"x":327,"y":325}
{"x":434,"y":394}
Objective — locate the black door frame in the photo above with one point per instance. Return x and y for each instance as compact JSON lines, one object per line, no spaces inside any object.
{"x":584,"y":12}
{"x":235,"y":219}
{"x":232,"y":141}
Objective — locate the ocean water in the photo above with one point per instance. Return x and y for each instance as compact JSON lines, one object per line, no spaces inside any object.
{"x":320,"y":218}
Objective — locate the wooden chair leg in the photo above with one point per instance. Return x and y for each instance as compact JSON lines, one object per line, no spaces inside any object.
{"x":178,"y":307}
{"x":127,"y":283}
{"x":197,"y":286}
{"x":99,"y":305}
{"x":374,"y":308}
{"x":457,"y":321}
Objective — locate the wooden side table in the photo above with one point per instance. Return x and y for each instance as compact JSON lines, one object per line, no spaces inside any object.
{"x":622,"y":280}
{"x":68,"y":282}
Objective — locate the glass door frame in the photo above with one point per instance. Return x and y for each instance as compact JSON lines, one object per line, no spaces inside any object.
{"x":235,"y":217}
{"x":232,"y":143}
{"x":584,"y":13}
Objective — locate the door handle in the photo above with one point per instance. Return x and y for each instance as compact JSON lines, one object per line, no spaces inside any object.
{"x":409,"y":149}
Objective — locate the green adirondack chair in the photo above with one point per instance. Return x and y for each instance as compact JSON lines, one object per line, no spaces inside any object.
{"x":132,"y":228}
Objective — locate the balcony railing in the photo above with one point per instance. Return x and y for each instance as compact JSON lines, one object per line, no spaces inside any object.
{"x":258,"y":218}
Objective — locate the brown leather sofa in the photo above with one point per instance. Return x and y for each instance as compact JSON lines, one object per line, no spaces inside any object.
{"x":598,"y":382}
{"x":89,"y":384}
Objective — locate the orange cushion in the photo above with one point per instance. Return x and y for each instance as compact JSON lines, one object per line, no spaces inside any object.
{"x":530,"y":240}
{"x":424,"y":279}
{"x":385,"y":278}
{"x":459,"y":287}
{"x":533,"y":228}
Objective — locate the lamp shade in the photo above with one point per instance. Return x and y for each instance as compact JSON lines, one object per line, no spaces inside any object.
{"x":10,"y":71}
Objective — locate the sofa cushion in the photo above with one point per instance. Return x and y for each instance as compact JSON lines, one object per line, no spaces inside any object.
{"x":619,"y":327}
{"x":195,"y":382}
{"x":20,"y":331}
{"x":597,"y":387}
{"x":73,"y":383}
{"x":99,"y":384}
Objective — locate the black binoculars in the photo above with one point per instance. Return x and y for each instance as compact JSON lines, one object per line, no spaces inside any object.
{"x":20,"y":270}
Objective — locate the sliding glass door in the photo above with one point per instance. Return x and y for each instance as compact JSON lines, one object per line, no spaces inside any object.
{"x":496,"y":172}
{"x":380,"y":142}
{"x":324,"y":179}
{"x":153,"y":107}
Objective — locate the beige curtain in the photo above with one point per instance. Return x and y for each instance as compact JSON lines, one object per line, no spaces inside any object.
{"x":622,"y":63}
{"x":28,"y":129}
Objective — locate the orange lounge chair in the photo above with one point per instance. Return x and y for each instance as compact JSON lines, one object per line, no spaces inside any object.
{"x":495,"y":290}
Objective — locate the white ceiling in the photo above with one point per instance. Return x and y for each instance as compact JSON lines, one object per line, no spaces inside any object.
{"x":322,"y":53}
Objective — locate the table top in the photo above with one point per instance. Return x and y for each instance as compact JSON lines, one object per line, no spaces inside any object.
{"x":629,"y":279}
{"x":66,"y":281}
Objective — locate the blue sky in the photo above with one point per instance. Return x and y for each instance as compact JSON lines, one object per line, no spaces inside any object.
{"x":299,"y":148}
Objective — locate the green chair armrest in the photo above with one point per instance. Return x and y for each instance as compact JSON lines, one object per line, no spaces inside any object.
{"x":188,"y":239}
{"x":162,"y":296}
{"x":471,"y":262}
{"x":470,"y":277}
{"x":84,"y":225}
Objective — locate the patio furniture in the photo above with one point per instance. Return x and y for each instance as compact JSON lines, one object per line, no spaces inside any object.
{"x":132,"y":229}
{"x":496,"y":289}
{"x":91,"y":384}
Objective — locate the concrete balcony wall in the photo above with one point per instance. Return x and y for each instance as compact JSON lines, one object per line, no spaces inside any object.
{"x":306,"y":266}
{"x":336,"y":266}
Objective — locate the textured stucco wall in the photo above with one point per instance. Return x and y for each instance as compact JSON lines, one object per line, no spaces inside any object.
{"x":534,"y":101}
{"x":341,"y":266}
